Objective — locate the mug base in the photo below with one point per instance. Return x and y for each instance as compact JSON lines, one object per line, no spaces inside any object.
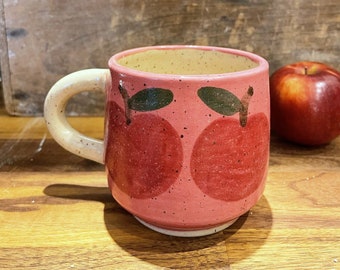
{"x":195,"y":233}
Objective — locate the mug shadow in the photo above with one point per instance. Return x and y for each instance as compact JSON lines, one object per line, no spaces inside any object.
{"x":208,"y":252}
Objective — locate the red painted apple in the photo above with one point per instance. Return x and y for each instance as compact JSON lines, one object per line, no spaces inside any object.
{"x":229,"y":160}
{"x":143,"y":155}
{"x":305,"y":103}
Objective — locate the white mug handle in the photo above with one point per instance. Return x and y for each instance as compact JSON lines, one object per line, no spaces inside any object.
{"x":55,"y":118}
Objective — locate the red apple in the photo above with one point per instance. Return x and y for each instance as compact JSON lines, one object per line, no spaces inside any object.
{"x":229,"y":160}
{"x":305,"y":103}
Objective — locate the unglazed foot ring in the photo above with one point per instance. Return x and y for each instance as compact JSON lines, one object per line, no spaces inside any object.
{"x":195,"y":233}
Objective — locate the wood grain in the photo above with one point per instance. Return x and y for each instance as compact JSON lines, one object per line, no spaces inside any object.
{"x":42,"y":41}
{"x":56,"y":212}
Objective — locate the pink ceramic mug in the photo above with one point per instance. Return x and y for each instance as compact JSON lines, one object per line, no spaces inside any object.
{"x":186,"y":142}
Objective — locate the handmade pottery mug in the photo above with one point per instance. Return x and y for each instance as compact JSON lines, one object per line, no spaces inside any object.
{"x":186,"y":143}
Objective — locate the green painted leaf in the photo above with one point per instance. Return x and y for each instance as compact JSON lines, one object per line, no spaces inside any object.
{"x":150,"y":99}
{"x":220,"y":100}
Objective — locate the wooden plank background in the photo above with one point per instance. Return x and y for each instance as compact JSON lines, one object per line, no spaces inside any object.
{"x":41,"y":41}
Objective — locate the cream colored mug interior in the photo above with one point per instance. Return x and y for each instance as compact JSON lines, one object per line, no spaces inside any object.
{"x":186,"y":62}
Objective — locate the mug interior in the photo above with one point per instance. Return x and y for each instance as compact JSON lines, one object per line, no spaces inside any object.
{"x":185,"y":60}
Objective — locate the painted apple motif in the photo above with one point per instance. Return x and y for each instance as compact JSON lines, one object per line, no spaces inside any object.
{"x":143,"y":153}
{"x":229,"y":161}
{"x":230,"y":157}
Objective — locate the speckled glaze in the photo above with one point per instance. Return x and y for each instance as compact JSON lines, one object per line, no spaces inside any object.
{"x":168,"y":146}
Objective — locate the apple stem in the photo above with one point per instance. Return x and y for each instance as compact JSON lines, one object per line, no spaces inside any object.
{"x":306,"y":70}
{"x":244,"y":108}
{"x":126,"y":98}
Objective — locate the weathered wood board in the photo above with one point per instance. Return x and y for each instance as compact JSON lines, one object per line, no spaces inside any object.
{"x":41,"y":41}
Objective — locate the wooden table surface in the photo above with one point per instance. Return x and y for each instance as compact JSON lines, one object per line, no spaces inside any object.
{"x":56,"y":212}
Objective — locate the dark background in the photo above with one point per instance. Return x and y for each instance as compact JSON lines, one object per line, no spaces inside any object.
{"x":41,"y":41}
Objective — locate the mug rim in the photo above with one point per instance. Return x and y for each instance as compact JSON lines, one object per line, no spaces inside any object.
{"x":262,"y":66}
